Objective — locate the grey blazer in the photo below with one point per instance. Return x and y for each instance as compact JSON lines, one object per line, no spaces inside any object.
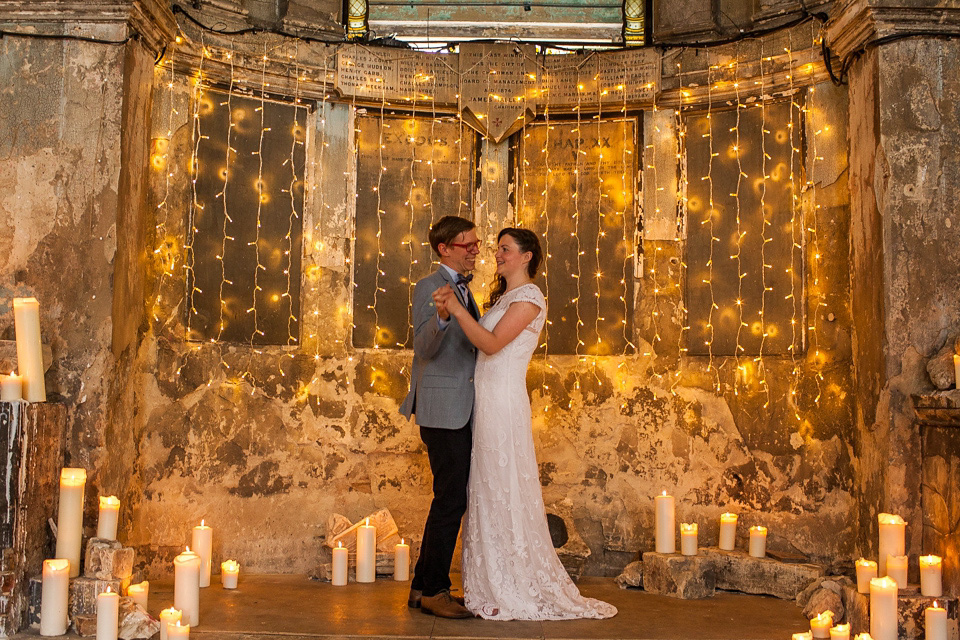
{"x":441,"y":383}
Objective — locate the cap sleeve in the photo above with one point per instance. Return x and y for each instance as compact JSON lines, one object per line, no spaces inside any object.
{"x":532,"y":293}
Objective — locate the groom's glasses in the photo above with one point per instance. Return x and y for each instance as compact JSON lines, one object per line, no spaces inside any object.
{"x":467,"y":246}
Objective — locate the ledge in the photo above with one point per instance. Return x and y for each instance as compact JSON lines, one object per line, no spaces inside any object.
{"x":939,"y":408}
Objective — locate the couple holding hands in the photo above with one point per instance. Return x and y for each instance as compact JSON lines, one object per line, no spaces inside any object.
{"x":469,"y":395}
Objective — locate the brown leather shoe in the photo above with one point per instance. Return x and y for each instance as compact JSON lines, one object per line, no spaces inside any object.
{"x":416,"y":595}
{"x":443,"y":605}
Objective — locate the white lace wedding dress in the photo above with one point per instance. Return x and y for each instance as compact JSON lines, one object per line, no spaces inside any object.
{"x":510,"y":568}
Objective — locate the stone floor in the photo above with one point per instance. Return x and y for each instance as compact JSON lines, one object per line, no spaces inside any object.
{"x":295,"y":608}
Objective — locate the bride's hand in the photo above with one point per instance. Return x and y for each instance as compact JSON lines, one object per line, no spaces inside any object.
{"x":446,"y":299}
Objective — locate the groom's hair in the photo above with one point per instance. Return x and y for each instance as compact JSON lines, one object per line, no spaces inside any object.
{"x":446,"y":229}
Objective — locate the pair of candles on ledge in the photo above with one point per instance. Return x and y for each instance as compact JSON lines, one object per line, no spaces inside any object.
{"x":666,"y":537}
{"x":367,"y":558}
{"x":29,"y":385}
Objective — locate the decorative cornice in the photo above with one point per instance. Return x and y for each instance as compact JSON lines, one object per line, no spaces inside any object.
{"x":856,"y":23}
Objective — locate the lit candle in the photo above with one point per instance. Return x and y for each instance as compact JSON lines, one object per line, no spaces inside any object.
{"x":108,"y":615}
{"x":864,"y":636}
{"x":109,"y":514}
{"x":931,"y":581}
{"x":883,"y":608}
{"x":54,"y":596}
{"x":935,"y":622}
{"x":666,"y":535}
{"x":956,"y":371}
{"x":202,"y":545}
{"x":897,"y":570}
{"x":866,"y":571}
{"x":728,"y":531}
{"x":401,"y":562}
{"x":139,"y":593}
{"x":229,"y":574}
{"x":11,"y":388}
{"x":178,"y":631}
{"x":820,"y":625}
{"x":70,"y":517}
{"x":168,"y":616}
{"x":892,"y":539}
{"x":340,"y":554}
{"x":366,"y":552}
{"x":688,"y":538}
{"x":804,"y":635}
{"x":840,"y":632}
{"x":758,"y":542}
{"x":26,"y":320}
{"x":186,"y":586}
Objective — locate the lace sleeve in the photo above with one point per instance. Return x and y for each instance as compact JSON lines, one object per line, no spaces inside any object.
{"x":532,"y":293}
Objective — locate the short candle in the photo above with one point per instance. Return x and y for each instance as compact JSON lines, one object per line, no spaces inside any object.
{"x":139,"y":593}
{"x":866,"y":571}
{"x":170,"y":615}
{"x":688,"y":538}
{"x":178,"y":631}
{"x":892,"y":539}
{"x":401,"y":562}
{"x":108,"y":615}
{"x":54,"y":597}
{"x":803,"y":635}
{"x":229,"y":574}
{"x":758,"y":541}
{"x":931,"y":578}
{"x":728,"y":531}
{"x":883,"y":608}
{"x":840,"y":632}
{"x":863,"y":636}
{"x":935,"y":622}
{"x":821,"y":623}
{"x":665,"y":531}
{"x":11,"y":388}
{"x":897,"y":570}
{"x":109,"y":514}
{"x":340,"y":557}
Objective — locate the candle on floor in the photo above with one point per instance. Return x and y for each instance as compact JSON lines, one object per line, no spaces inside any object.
{"x":931,"y":577}
{"x":688,"y":538}
{"x":665,"y":532}
{"x":366,"y":552}
{"x":109,"y":514}
{"x":803,"y":635}
{"x":11,"y":388}
{"x":897,"y":570}
{"x":26,"y":321}
{"x":170,"y":616}
{"x":70,"y":517}
{"x":340,"y":556}
{"x":935,"y":622}
{"x":401,"y":562}
{"x":840,"y":632}
{"x":202,"y":545}
{"x":229,"y":574}
{"x":54,"y":597}
{"x":108,"y":615}
{"x":864,"y":636}
{"x":186,"y":586}
{"x":883,"y":608}
{"x":728,"y":531}
{"x":139,"y":593}
{"x":892,"y":539}
{"x":178,"y":631}
{"x":758,"y":541}
{"x":821,"y":623}
{"x":866,"y":571}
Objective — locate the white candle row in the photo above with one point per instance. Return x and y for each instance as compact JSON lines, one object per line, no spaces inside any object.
{"x":366,"y":558}
{"x":665,"y":531}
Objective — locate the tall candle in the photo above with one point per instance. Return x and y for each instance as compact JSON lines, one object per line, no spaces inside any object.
{"x":54,"y":596}
{"x":840,"y":632}
{"x":202,"y":545}
{"x":178,"y":631}
{"x":931,"y":579}
{"x":170,"y":616}
{"x":688,"y":538}
{"x":883,"y":608}
{"x":140,"y":593}
{"x":109,"y":514}
{"x":897,"y":570}
{"x":186,"y":586}
{"x":340,"y":555}
{"x":401,"y":562}
{"x":866,"y":571}
{"x":728,"y":531}
{"x":758,"y":541}
{"x":26,"y":320}
{"x":108,"y":615}
{"x":229,"y":574}
{"x":366,"y":552}
{"x":666,"y":534}
{"x":11,"y":388}
{"x":892,"y":539}
{"x":70,"y":517}
{"x":821,"y":623}
{"x":935,"y":622}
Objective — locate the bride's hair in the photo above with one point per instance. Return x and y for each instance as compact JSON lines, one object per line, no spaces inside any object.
{"x":526,"y":241}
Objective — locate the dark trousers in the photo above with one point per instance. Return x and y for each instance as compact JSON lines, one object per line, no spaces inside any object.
{"x":449,"y":453}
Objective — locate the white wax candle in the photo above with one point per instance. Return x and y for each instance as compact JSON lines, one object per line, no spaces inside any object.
{"x":931,"y":578}
{"x":688,"y":538}
{"x":70,"y":517}
{"x":804,"y":635}
{"x":54,"y":596}
{"x":108,"y":615}
{"x":109,"y":514}
{"x":26,"y":320}
{"x":401,"y":562}
{"x":170,"y":616}
{"x":202,"y":545}
{"x":956,"y":371}
{"x":864,"y":636}
{"x":866,"y":571}
{"x":758,"y":541}
{"x":821,"y":623}
{"x":897,"y":570}
{"x":883,"y":608}
{"x":178,"y":631}
{"x":840,"y":632}
{"x":665,"y":532}
{"x":366,"y":552}
{"x":728,"y":531}
{"x":11,"y":388}
{"x":139,"y":593}
{"x":892,"y":539}
{"x":186,"y":586}
{"x":340,"y":556}
{"x":229,"y":574}
{"x":935,"y":623}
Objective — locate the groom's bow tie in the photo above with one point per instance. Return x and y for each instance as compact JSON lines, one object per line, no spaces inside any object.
{"x":463,"y":280}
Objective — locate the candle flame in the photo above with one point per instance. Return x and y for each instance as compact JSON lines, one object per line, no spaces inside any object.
{"x":664,"y":492}
{"x":339,"y":544}
{"x":188,"y":549}
{"x":823,"y":617}
{"x":108,"y":590}
{"x":368,"y":522}
{"x":201,"y":522}
{"x":401,"y":540}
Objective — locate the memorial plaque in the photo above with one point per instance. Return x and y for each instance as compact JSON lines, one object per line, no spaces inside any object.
{"x":568,"y":80}
{"x":628,"y":76}
{"x":498,"y":87}
{"x":367,"y":73}
{"x":429,"y":77}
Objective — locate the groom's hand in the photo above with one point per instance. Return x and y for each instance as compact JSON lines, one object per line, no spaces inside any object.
{"x":440,"y":298}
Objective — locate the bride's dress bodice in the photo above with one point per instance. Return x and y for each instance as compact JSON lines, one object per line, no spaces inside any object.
{"x":506,"y":370}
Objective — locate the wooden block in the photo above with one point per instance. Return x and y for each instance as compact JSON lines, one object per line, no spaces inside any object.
{"x":685,"y":577}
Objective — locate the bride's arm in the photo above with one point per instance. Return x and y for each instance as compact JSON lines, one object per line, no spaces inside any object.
{"x":515,"y":320}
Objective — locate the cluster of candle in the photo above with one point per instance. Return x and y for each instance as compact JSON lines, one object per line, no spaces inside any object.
{"x":191,"y":572}
{"x":666,"y":536}
{"x":366,"y":565}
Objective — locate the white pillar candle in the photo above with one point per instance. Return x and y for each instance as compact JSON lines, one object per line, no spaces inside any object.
{"x":168,"y":616}
{"x":202,"y":545}
{"x":758,"y":541}
{"x":665,"y":532}
{"x":340,"y":556}
{"x":897,"y":570}
{"x":820,"y":624}
{"x":366,"y":552}
{"x":186,"y":586}
{"x":11,"y":388}
{"x":883,"y":608}
{"x":956,"y":371}
{"x":26,"y":320}
{"x":688,"y":538}
{"x":728,"y":531}
{"x":866,"y":571}
{"x":935,"y":623}
{"x":864,"y":636}
{"x":401,"y":562}
{"x":109,"y":514}
{"x":840,"y":632}
{"x":892,"y":539}
{"x":178,"y":631}
{"x":108,"y":615}
{"x":54,"y":596}
{"x":804,"y":635}
{"x":139,"y":593}
{"x":931,"y":578}
{"x":70,"y":517}
{"x":229,"y":574}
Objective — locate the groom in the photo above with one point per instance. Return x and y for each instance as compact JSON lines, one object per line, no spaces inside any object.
{"x":441,"y":396}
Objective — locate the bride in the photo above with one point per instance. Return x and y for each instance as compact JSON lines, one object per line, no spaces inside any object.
{"x":510,"y":568}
